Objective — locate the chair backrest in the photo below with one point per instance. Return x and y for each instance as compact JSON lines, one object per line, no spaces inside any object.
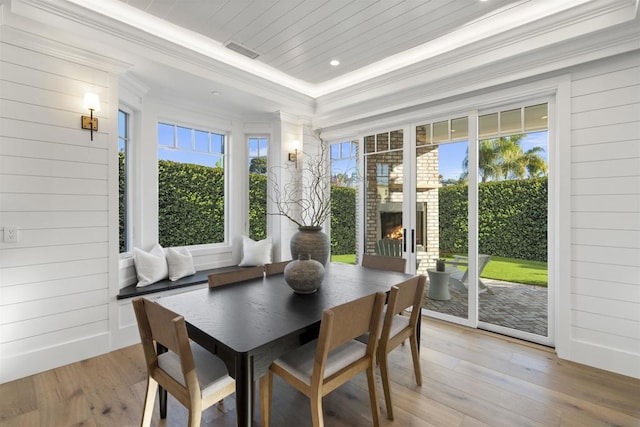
{"x":346,"y":322}
{"x":402,"y":296}
{"x":159,"y":324}
{"x":384,"y":262}
{"x":483,"y":260}
{"x":275,"y":267}
{"x":389,"y":247}
{"x":219,"y":279}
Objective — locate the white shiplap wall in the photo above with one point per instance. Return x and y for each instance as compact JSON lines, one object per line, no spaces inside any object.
{"x":605,"y":215}
{"x":54,"y":281}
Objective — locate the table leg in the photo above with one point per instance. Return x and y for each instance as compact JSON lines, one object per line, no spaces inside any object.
{"x":244,"y":391}
{"x":162,"y":394}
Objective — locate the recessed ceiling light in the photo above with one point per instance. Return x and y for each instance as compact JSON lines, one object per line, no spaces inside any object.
{"x":334,"y":62}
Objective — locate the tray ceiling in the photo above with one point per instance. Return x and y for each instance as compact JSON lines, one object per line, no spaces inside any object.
{"x":301,"y":37}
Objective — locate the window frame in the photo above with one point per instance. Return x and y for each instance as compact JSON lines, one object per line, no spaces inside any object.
{"x":248,"y":138}
{"x":129,"y":213}
{"x":226,"y":165}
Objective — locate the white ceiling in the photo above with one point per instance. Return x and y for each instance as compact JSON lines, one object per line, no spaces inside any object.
{"x":175,"y":49}
{"x":301,"y":37}
{"x":296,"y":39}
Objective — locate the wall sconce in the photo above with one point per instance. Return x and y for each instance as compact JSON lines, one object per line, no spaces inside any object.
{"x":293,"y":156}
{"x":92,"y":103}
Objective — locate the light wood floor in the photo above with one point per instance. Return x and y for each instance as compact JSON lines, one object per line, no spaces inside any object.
{"x":471,"y":378}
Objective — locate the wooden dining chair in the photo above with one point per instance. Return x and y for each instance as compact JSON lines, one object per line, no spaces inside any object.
{"x":396,"y":328}
{"x":193,"y":375}
{"x":275,"y":267}
{"x":320,"y":366}
{"x":219,"y":279}
{"x":379,"y":262}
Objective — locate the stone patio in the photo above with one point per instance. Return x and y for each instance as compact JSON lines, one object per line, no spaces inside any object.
{"x":513,"y":305}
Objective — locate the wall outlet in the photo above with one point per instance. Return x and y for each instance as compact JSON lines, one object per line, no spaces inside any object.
{"x":10,"y":234}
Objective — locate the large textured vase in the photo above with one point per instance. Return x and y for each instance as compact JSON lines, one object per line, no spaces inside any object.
{"x":310,"y":240}
{"x":304,"y":275}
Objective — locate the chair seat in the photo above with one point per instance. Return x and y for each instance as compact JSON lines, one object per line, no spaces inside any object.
{"x":399,"y":323}
{"x":299,"y":362}
{"x":211,"y":371}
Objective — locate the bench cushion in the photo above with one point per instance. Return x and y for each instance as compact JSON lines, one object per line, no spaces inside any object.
{"x":164,"y":285}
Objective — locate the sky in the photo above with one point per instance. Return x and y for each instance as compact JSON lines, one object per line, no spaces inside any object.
{"x":452,"y":155}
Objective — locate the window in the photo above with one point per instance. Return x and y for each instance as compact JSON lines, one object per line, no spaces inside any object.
{"x":258,"y":187}
{"x":344,"y":179}
{"x":123,"y":179}
{"x":513,"y":143}
{"x":191,"y":186}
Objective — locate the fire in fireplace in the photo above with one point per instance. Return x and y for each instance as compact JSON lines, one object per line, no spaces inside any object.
{"x":391,"y":225}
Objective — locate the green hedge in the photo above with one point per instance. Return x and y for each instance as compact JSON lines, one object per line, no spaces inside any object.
{"x":343,"y":220}
{"x":513,"y":214}
{"x":190,"y":204}
{"x":257,"y":206}
{"x":512,"y":218}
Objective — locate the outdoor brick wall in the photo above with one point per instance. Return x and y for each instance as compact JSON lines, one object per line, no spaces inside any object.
{"x":384,"y":171}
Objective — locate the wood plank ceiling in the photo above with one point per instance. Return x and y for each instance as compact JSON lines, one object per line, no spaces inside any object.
{"x":301,"y":37}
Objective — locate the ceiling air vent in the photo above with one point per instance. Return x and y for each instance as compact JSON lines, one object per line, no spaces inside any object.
{"x":242,"y":50}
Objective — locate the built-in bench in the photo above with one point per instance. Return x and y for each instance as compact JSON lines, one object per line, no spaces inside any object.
{"x":166,"y":284}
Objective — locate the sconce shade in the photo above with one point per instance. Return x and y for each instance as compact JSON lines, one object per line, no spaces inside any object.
{"x":91,"y":101}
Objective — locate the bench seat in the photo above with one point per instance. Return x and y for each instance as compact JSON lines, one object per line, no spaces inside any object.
{"x":164,"y":285}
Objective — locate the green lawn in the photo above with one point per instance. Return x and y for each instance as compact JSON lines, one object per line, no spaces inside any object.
{"x":516,"y":270}
{"x":346,"y":259}
{"x":507,"y":269}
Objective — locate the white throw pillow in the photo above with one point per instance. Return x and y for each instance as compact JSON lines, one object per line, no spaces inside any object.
{"x":180,"y":263}
{"x":255,"y":253}
{"x":150,"y":266}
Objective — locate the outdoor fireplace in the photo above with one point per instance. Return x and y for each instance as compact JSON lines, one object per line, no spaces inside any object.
{"x":391,"y":226}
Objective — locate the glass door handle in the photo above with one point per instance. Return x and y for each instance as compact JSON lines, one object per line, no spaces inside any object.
{"x":413,"y":240}
{"x":404,"y":239}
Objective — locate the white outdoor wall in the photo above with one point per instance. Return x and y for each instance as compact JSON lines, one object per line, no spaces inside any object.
{"x":605,"y":215}
{"x":54,"y":186}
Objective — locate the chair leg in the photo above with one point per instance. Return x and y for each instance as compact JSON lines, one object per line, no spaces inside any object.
{"x":371,"y":380}
{"x":317,"y":418}
{"x":416,"y":358}
{"x":195,"y":412}
{"x":386,"y":385}
{"x":149,"y":401}
{"x":266,"y":384}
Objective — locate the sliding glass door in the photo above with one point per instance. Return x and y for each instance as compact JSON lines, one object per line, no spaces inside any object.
{"x":441,"y":198}
{"x":512,"y":221}
{"x":385,"y":223}
{"x":464,"y":200}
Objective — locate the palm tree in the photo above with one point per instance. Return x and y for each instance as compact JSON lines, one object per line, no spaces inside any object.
{"x":503,"y":158}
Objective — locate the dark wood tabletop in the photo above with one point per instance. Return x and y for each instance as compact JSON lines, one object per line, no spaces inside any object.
{"x":249,"y":324}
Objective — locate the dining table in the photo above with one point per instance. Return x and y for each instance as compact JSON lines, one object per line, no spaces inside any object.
{"x":251,"y":323}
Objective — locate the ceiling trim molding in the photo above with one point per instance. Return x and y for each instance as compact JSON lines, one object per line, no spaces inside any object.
{"x":110,"y":17}
{"x":450,"y":76}
{"x":447,"y":108}
{"x":93,"y":31}
{"x":47,"y":46}
{"x":527,"y":38}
